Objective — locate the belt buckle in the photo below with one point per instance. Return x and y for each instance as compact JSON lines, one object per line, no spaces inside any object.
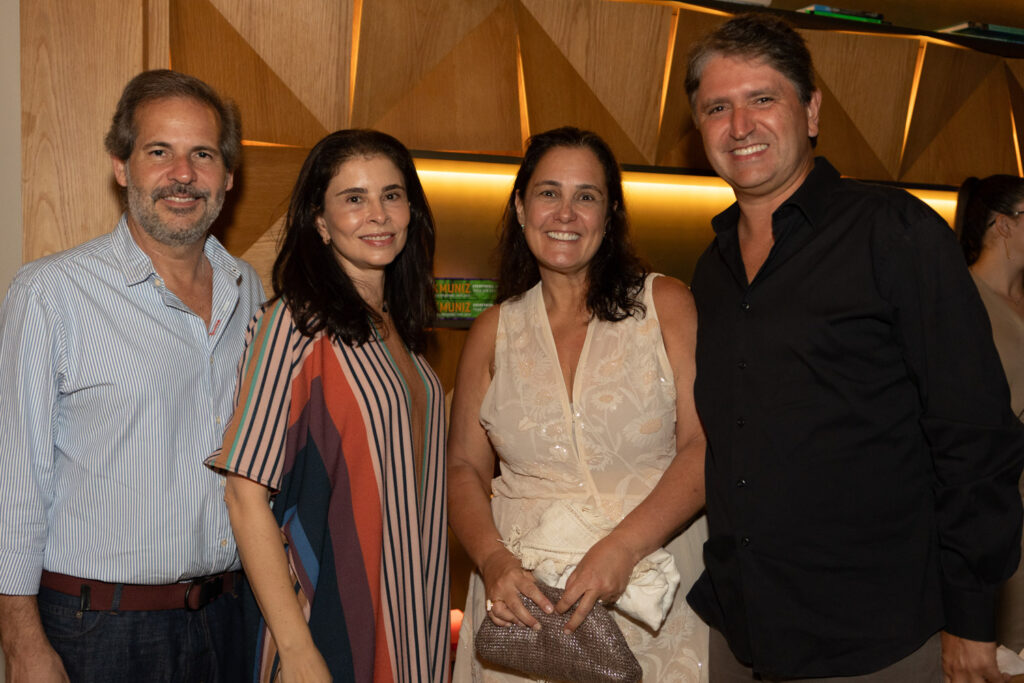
{"x":209,"y":589}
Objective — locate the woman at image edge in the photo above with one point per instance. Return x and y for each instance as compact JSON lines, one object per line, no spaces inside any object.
{"x":581,"y":380}
{"x":990,"y":225}
{"x":340,"y":422}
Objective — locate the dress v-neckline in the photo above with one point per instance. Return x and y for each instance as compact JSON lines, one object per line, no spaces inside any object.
{"x":420,"y":458}
{"x":568,"y":393}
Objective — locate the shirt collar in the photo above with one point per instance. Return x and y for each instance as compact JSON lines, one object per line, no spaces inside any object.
{"x":138,"y":267}
{"x":811,"y":198}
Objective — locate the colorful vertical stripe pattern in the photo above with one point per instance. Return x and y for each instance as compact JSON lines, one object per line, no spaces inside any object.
{"x":328,"y":428}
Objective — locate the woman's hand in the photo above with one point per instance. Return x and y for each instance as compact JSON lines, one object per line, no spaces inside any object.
{"x":602,"y":575}
{"x":504,"y":581}
{"x":304,"y":666}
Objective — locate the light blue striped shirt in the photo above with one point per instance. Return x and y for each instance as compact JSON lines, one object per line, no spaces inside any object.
{"x":112,"y":393}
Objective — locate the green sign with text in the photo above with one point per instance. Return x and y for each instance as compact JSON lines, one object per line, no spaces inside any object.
{"x":463,"y":299}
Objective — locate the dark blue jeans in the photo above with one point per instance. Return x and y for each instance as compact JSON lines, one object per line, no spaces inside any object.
{"x":172,"y":646}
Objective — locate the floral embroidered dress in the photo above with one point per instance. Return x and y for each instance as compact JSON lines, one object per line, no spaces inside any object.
{"x":600,"y":446}
{"x":328,"y":427}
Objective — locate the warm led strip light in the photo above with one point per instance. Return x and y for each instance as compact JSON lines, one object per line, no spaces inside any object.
{"x":661,"y":188}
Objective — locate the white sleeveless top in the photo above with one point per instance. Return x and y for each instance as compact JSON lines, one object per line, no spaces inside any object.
{"x":609,"y":440}
{"x":602,"y":443}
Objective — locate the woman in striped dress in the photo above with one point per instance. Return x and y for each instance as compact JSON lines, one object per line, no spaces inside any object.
{"x":336,"y":481}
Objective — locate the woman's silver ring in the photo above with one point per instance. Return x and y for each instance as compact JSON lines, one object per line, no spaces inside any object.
{"x":490,"y":605}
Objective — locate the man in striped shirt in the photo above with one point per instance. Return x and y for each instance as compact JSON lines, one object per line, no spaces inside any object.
{"x":117,"y":366}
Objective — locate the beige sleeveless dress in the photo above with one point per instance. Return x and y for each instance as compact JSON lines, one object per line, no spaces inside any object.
{"x":1008,"y":334}
{"x":603,"y":446}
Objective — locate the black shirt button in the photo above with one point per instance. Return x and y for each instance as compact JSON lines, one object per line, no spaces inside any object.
{"x":740,"y":422}
{"x":742,"y":365}
{"x":740,"y":483}
{"x":745,"y":540}
{"x":745,"y":306}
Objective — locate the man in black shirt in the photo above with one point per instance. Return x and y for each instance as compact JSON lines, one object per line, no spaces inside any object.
{"x":862,"y":458}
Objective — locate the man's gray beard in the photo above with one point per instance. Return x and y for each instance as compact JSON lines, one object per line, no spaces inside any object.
{"x":143,"y":209}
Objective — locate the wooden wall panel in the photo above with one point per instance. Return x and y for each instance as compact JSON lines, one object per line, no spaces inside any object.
{"x":262,"y":253}
{"x":961,"y":122}
{"x":863,"y":135}
{"x":156,"y":34}
{"x":75,"y":59}
{"x":401,"y":41}
{"x":259,"y":198}
{"x":840,"y":139}
{"x":1015,"y":84}
{"x":619,"y":51}
{"x":557,"y":95}
{"x":204,"y":44}
{"x":307,"y":44}
{"x":679,"y":141}
{"x":477,"y":110}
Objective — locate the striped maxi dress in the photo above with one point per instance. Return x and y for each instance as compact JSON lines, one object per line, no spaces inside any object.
{"x":327,"y":427}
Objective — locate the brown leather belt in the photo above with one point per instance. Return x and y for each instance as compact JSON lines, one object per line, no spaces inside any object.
{"x":99,"y":595}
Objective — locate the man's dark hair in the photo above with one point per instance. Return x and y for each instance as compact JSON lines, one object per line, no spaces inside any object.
{"x":615,"y":275}
{"x":755,"y":36}
{"x":977,"y":204}
{"x":307,"y":274}
{"x":161,"y":83}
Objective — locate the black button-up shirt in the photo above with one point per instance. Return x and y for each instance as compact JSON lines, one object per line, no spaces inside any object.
{"x":862,"y":457}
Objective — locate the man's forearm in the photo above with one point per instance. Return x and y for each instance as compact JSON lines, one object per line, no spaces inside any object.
{"x":27,"y":650}
{"x":20,"y":626}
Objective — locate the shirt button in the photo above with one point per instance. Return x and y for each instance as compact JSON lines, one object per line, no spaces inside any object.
{"x":740,"y":483}
{"x":745,"y":306}
{"x":223,"y":543}
{"x":740,"y":422}
{"x":745,"y":541}
{"x":217,"y":419}
{"x":211,"y":360}
{"x":742,"y":365}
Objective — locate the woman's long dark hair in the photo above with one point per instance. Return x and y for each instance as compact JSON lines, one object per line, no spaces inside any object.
{"x":309,"y":278}
{"x":615,"y":275}
{"x":976,"y":205}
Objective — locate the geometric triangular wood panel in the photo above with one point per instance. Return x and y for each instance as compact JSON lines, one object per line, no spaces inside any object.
{"x":318,"y":71}
{"x":618,"y":50}
{"x":476,"y":111}
{"x":961,"y":121}
{"x":869,"y":81}
{"x":400,"y":41}
{"x":262,"y":253}
{"x":842,"y":141}
{"x":263,"y":185}
{"x":204,"y":44}
{"x":557,"y":95}
{"x":679,"y":141}
{"x":1015,"y":83}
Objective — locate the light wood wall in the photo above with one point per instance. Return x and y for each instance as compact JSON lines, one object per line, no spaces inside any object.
{"x":10,"y":146}
{"x":471,"y":76}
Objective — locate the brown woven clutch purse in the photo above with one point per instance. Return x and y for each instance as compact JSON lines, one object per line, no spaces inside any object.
{"x":595,"y":653}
